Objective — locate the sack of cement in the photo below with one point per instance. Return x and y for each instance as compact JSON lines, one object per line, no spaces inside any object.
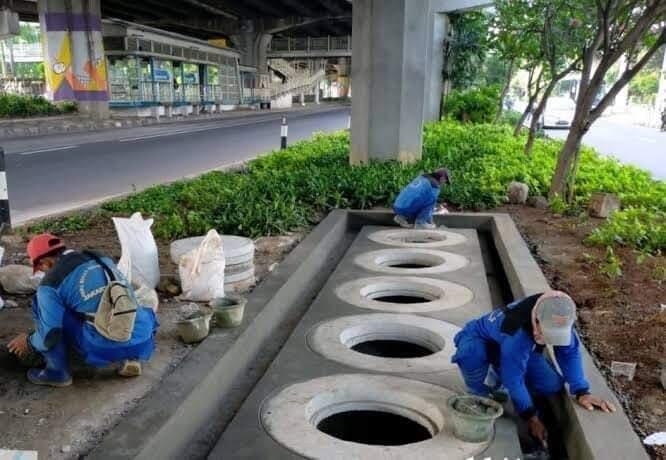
{"x":19,"y":279}
{"x":202,"y":270}
{"x":147,"y":297}
{"x":139,"y":261}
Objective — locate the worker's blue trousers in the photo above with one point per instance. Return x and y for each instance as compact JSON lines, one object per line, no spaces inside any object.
{"x":472,"y":358}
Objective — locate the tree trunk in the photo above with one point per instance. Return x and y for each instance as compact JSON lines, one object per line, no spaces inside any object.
{"x":505,"y":91}
{"x":534,"y":125}
{"x":565,"y":160}
{"x":523,"y":117}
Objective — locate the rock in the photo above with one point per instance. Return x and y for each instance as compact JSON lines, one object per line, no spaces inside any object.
{"x":12,"y":240}
{"x":169,"y":285}
{"x":663,"y":378}
{"x":66,"y":449}
{"x":41,"y":421}
{"x":517,"y":193}
{"x":658,"y":412}
{"x":272,"y":267}
{"x":26,"y":412}
{"x":11,"y":303}
{"x":538,"y":202}
{"x":603,"y":204}
{"x":621,"y":368}
{"x":18,"y":279}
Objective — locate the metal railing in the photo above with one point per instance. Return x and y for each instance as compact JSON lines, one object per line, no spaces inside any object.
{"x":303,"y":46}
{"x":22,"y":86}
{"x":27,"y":52}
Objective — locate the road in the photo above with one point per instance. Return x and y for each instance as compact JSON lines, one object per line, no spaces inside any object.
{"x":57,"y":173}
{"x":632,"y":144}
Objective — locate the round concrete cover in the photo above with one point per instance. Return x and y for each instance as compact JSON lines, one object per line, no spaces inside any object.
{"x":445,"y":295}
{"x":293,"y":413}
{"x":435,"y":261}
{"x":236,"y":248}
{"x":416,"y":238}
{"x":334,"y":339}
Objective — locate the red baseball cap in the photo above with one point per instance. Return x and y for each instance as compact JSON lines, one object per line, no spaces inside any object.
{"x":41,"y":246}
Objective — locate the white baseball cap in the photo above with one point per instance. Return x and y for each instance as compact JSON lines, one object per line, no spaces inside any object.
{"x":556,"y":313}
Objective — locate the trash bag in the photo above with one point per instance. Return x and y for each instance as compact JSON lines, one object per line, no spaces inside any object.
{"x":139,"y":261}
{"x":19,"y":279}
{"x":147,"y":297}
{"x":202,"y":270}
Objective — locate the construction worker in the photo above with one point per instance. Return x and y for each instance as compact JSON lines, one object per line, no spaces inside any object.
{"x":509,"y":343}
{"x":417,"y":201}
{"x":64,"y":310}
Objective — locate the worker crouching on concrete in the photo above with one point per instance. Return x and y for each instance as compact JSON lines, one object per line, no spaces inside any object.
{"x":417,"y":201}
{"x":510,"y":341}
{"x":83,"y":305}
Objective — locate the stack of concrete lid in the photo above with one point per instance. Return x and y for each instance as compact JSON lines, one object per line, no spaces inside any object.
{"x":238,"y":256}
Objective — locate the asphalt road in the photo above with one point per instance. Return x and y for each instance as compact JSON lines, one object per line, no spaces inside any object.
{"x":52,"y":174}
{"x":629,"y":143}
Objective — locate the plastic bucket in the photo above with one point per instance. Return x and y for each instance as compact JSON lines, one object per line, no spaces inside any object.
{"x":473,"y":417}
{"x":195,"y":327}
{"x":228,"y":311}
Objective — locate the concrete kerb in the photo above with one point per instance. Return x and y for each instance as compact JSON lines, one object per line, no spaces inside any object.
{"x":181,"y":417}
{"x":587,"y":434}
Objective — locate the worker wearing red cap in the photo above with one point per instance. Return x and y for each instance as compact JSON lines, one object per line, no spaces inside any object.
{"x":64,"y":309}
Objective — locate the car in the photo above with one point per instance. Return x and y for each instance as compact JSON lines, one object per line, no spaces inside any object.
{"x":559,"y":113}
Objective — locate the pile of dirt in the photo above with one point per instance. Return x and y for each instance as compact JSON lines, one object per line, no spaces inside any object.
{"x":620,"y":319}
{"x":65,"y":423}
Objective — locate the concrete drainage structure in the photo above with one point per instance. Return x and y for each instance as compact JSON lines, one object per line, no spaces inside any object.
{"x":378,"y":417}
{"x":404,"y":294}
{"x":407,"y":261}
{"x":403,"y":237}
{"x":386,"y":342}
{"x":286,"y":384}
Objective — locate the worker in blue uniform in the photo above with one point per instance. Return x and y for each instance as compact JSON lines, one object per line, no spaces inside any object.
{"x":417,"y":201}
{"x":509,"y":343}
{"x":64,"y":309}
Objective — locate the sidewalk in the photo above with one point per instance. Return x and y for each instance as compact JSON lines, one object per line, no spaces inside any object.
{"x":25,"y":127}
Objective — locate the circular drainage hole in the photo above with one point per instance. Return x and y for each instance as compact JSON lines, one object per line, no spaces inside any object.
{"x":405,"y":299}
{"x":392,"y":349}
{"x":410,"y":260}
{"x":402,"y":293}
{"x":373,"y":427}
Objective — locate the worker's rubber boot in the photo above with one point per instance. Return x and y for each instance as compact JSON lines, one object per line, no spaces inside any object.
{"x":49,"y":377}
{"x":402,"y":221}
{"x":130,"y":368}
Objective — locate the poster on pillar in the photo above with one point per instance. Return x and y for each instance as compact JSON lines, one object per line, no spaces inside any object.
{"x":75,"y":65}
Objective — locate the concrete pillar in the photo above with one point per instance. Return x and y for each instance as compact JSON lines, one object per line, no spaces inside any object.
{"x":438,"y":29}
{"x":316,"y":94}
{"x":75,"y":64}
{"x":301,"y":98}
{"x":254,"y":44}
{"x":389,"y":77}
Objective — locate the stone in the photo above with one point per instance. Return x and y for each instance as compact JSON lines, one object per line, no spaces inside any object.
{"x":619,"y":368}
{"x":169,"y":284}
{"x":517,"y":193}
{"x":66,"y":449}
{"x":658,"y":412}
{"x":11,"y":303}
{"x":663,"y":377}
{"x":603,"y":204}
{"x":538,"y":202}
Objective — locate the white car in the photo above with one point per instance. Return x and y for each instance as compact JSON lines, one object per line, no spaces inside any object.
{"x":559,"y":113}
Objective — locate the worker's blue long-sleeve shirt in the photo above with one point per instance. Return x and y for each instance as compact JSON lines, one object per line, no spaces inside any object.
{"x":511,"y":342}
{"x":421,"y":194}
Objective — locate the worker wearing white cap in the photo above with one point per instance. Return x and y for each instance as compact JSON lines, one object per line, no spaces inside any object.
{"x":510,"y":341}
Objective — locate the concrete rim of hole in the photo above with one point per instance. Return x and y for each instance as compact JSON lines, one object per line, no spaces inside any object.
{"x":416,"y":238}
{"x":334,"y":340}
{"x":439,"y":294}
{"x":291,"y":415}
{"x":433,"y":261}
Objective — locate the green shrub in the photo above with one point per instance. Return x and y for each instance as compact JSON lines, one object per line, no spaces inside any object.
{"x":639,"y":228}
{"x":509,"y":117}
{"x":13,"y":105}
{"x":474,"y":105}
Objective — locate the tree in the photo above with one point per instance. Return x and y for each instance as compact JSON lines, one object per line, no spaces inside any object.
{"x":618,"y":27}
{"x":466,"y":51}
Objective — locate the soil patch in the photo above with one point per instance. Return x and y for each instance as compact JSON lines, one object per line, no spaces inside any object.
{"x":66,"y":423}
{"x":620,"y":319}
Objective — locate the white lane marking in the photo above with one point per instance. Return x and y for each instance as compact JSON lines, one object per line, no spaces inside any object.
{"x":209,"y":128}
{"x":52,"y":149}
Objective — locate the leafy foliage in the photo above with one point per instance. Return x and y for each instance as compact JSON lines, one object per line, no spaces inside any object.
{"x":475,"y":105}
{"x":644,"y":87}
{"x":467,"y":50}
{"x":12,"y":105}
{"x":640,"y":228}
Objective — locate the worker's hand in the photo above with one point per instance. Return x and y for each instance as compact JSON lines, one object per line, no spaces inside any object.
{"x":19,"y":346}
{"x":538,"y":430}
{"x":589,"y":402}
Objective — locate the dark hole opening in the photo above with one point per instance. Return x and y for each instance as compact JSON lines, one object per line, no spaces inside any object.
{"x":373,"y":428}
{"x":392,"y":349}
{"x":407,"y":265}
{"x":401,"y":299}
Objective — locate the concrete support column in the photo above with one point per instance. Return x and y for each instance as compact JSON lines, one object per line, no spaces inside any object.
{"x":316,"y":94}
{"x":301,"y":98}
{"x":254,"y":44}
{"x":438,"y":29}
{"x":75,"y":65}
{"x":389,"y":77}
